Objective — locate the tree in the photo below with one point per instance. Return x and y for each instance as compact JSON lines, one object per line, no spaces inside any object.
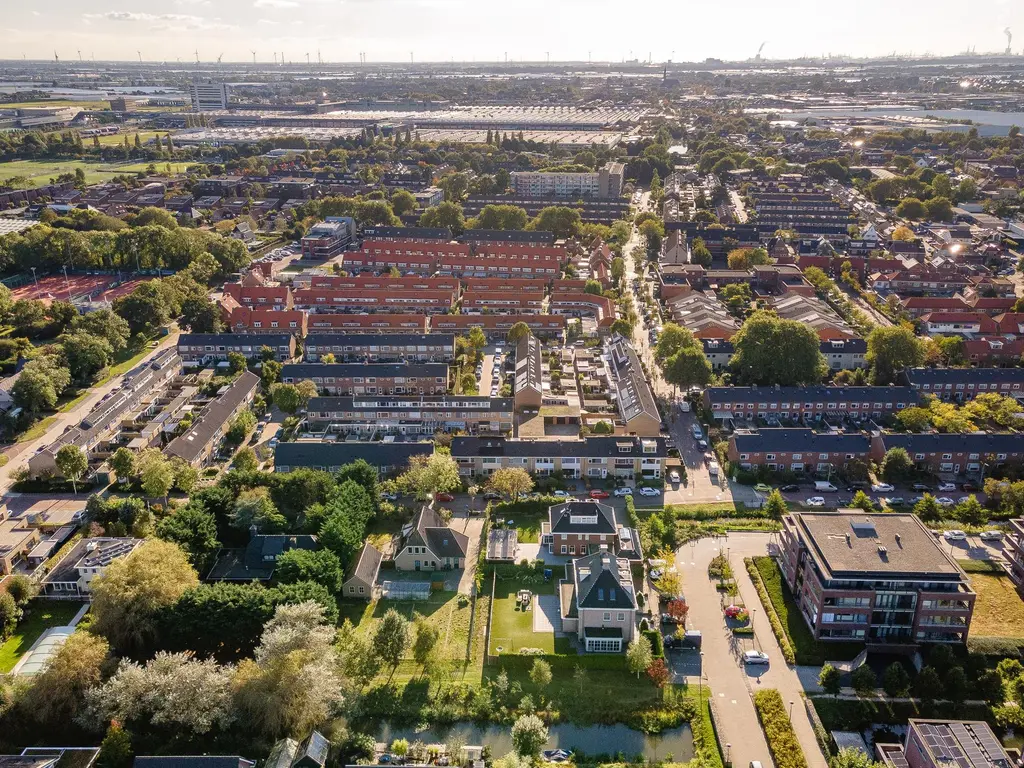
{"x":830,"y":679}
{"x":529,"y":734}
{"x":10,"y":613}
{"x":245,"y":460}
{"x":639,"y":654}
{"x":672,"y":339}
{"x":270,"y":373}
{"x":57,"y":693}
{"x":896,"y":680}
{"x":391,"y":639}
{"x":402,"y":202}
{"x":445,"y":215}
{"x":237,"y":362}
{"x":503,"y":217}
{"x":306,"y":390}
{"x":593,"y":287}
{"x":254,"y":507}
{"x":292,"y":682}
{"x":745,"y":258}
{"x":928,"y":509}
{"x":72,"y":463}
{"x":618,"y":269}
{"x":699,"y":253}
{"x":320,"y":566}
{"x":430,"y":475}
{"x":890,"y":350}
{"x":970,"y":512}
{"x":911,"y":208}
{"x":22,"y":588}
{"x":770,"y":350}
{"x":928,"y":684}
{"x":988,"y":686}
{"x":775,"y":505}
{"x":510,"y":481}
{"x":864,"y":680}
{"x":914,"y":419}
{"x":40,"y":384}
{"x":560,"y":220}
{"x":286,"y":397}
{"x":653,"y":232}
{"x":852,"y":758}
{"x":194,"y":530}
{"x":131,"y":591}
{"x":423,"y":646}
{"x":540,"y":673}
{"x":156,"y":474}
{"x":677,"y":609}
{"x":200,"y":315}
{"x":240,"y":427}
{"x":517,"y":331}
{"x":955,"y":681}
{"x":939,"y":208}
{"x":86,"y":354}
{"x":689,"y":367}
{"x":622,"y":327}
{"x":123,"y":463}
{"x":659,"y":673}
{"x":116,"y":747}
{"x":896,"y":464}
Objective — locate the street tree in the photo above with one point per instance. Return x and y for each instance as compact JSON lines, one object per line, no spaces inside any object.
{"x":864,"y":680}
{"x":928,"y":509}
{"x":286,"y":397}
{"x":770,"y":350}
{"x":830,"y":679}
{"x":86,"y":354}
{"x":245,"y":460}
{"x":510,"y":481}
{"x":430,"y":475}
{"x":928,"y":684}
{"x":689,"y":367}
{"x":896,"y":680}
{"x":72,"y":463}
{"x":775,"y":506}
{"x":517,"y":331}
{"x":896,"y":464}
{"x":123,"y":464}
{"x":890,"y":350}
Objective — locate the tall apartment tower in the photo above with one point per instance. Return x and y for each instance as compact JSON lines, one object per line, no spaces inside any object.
{"x":207,"y":97}
{"x":610,"y":179}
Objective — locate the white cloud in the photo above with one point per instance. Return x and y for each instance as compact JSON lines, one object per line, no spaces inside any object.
{"x":131,"y":16}
{"x":276,"y":4}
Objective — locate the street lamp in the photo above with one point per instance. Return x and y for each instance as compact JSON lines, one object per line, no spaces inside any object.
{"x":700,"y":679}
{"x":728,"y":750}
{"x":34,"y":277}
{"x":791,"y":702}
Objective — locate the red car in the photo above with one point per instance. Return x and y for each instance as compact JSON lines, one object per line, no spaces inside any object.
{"x":733,"y":611}
{"x":444,"y":497}
{"x":598,"y":494}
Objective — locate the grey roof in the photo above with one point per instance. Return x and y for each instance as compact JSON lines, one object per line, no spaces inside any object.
{"x":299,"y":371}
{"x":235,"y":339}
{"x":502,"y":544}
{"x":432,"y":532}
{"x":194,"y":761}
{"x":457,"y":403}
{"x":561,"y":517}
{"x":603,"y":581}
{"x":408,"y":233}
{"x":632,"y":392}
{"x":315,"y":454}
{"x":811,"y":394}
{"x":528,"y":364}
{"x":343,"y":339}
{"x":367,"y":564}
{"x":961,"y":743}
{"x":90,"y":553}
{"x":259,"y":558}
{"x":845,"y":346}
{"x":854,"y":544}
{"x":191,"y":444}
{"x":588,"y":447}
{"x":785,"y":440}
{"x":918,"y":376}
{"x":506,"y":236}
{"x":979,"y":442}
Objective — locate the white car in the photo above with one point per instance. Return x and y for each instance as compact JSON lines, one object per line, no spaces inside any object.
{"x":945,"y":501}
{"x":755,"y":657}
{"x":649,"y":492}
{"x":624,"y":491}
{"x":882,"y":488}
{"x":673,"y":476}
{"x":954,"y":536}
{"x":815,"y":501}
{"x":947,"y":486}
{"x":560,"y":494}
{"x":991,"y":535}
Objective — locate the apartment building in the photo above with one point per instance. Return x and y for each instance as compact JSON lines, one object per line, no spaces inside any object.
{"x":638,"y":410}
{"x":371,"y":378}
{"x":798,"y":450}
{"x":960,"y":384}
{"x":505,"y":284}
{"x":369,"y":415}
{"x":206,"y":348}
{"x":378,"y":322}
{"x":944,"y":743}
{"x":362,"y":300}
{"x":703,"y":315}
{"x":969,"y":454}
{"x":520,"y":302}
{"x":387,"y":457}
{"x":582,"y":304}
{"x":597,"y":602}
{"x":496,"y":327}
{"x":920,"y":279}
{"x":814,"y":313}
{"x":500,"y":260}
{"x":267,"y":321}
{"x":209,"y":97}
{"x":588,"y":527}
{"x":329,"y":238}
{"x":260,"y":296}
{"x":625,"y":458}
{"x":808,"y":403}
{"x":1014,"y":551}
{"x":605,"y":183}
{"x":381,"y":347}
{"x":408,"y":234}
{"x":958,"y":323}
{"x":197,"y":446}
{"x":994,"y":350}
{"x":881,"y":578}
{"x":529,"y":376}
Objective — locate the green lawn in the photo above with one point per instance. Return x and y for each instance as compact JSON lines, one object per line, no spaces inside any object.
{"x":40,"y":172}
{"x":161,"y":166}
{"x":807,"y":649}
{"x":999,"y":610}
{"x":512,"y":627}
{"x":118,"y":138}
{"x":40,"y":615}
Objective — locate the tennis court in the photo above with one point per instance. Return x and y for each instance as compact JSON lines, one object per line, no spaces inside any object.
{"x":75,"y":288}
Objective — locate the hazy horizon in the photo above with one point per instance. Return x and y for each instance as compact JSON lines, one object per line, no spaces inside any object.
{"x":527,"y":30}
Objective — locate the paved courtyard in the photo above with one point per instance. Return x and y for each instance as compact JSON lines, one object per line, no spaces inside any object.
{"x":546,"y":614}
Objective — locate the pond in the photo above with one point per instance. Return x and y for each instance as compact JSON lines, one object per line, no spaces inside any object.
{"x":591,"y":739}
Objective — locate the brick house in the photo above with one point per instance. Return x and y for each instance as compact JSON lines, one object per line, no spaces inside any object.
{"x":371,"y":378}
{"x":797,"y":450}
{"x":206,"y":347}
{"x":246,"y":320}
{"x":366,"y":300}
{"x":381,"y":347}
{"x":597,"y":602}
{"x":260,"y":296}
{"x":375,"y":323}
{"x":496,"y":327}
{"x":808,"y":403}
{"x":960,"y":384}
{"x":881,"y":578}
{"x":587,"y":527}
{"x":952,"y":453}
{"x":1014,"y":551}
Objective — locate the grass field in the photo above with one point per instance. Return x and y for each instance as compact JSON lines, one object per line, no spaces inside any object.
{"x":161,"y":167}
{"x":118,"y":138}
{"x":512,"y":627}
{"x":56,"y":103}
{"x":39,"y":172}
{"x":999,"y":610}
{"x":39,"y":616}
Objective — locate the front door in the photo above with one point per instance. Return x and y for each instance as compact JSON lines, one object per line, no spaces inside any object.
{"x":416,"y":565}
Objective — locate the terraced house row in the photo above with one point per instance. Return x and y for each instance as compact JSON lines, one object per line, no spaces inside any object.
{"x":368,"y":415}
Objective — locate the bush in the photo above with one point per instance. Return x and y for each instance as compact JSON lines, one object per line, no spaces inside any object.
{"x":657,"y":643}
{"x":773,"y":618}
{"x":778,"y":730}
{"x":864,"y":680}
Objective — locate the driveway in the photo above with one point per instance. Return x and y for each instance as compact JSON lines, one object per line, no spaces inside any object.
{"x":471,"y":526}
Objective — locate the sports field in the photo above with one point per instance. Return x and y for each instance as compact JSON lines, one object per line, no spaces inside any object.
{"x":39,"y":172}
{"x":55,"y":287}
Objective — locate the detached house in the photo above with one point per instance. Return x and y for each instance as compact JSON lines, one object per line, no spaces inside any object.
{"x":597,"y":602}
{"x":586,"y":527}
{"x":431,"y":545}
{"x":363,"y":574}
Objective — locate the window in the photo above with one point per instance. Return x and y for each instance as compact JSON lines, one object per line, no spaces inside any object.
{"x":607,"y":617}
{"x":621,"y":616}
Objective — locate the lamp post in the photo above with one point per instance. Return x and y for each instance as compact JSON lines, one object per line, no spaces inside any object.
{"x":791,"y":702}
{"x":36,"y":282}
{"x":728,"y":751}
{"x":700,"y":679}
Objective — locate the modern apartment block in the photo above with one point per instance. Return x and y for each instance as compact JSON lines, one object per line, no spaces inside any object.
{"x":945,"y":743}
{"x":638,"y":410}
{"x":389,"y":414}
{"x":209,"y":97}
{"x":625,"y":458}
{"x":1015,"y":551}
{"x":605,"y":183}
{"x":881,"y":578}
{"x":329,"y":238}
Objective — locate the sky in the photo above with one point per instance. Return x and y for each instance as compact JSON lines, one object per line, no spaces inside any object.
{"x":485,"y":30}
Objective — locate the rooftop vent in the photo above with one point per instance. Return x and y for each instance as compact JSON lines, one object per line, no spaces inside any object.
{"x":863,"y":527}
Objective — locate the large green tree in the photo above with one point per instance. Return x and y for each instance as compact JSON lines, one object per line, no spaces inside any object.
{"x":770,"y":350}
{"x":890,"y":350}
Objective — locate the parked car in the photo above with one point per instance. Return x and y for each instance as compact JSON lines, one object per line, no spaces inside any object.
{"x":444,"y":496}
{"x":755,"y":657}
{"x":492,"y":496}
{"x":947,"y":486}
{"x":882,"y":488}
{"x":762,"y":488}
{"x":674,"y":477}
{"x":991,"y":535}
{"x":894,"y":501}
{"x":624,"y":491}
{"x":273,"y":442}
{"x":560,"y":494}
{"x":389,"y":496}
{"x":649,"y":492}
{"x":791,"y":488}
{"x":668,"y":618}
{"x":815,"y":501}
{"x":970,"y":487}
{"x":955,"y":536}
{"x":945,"y":501}
{"x":597,"y":493}
{"x":919,"y":487}
{"x":703,"y":444}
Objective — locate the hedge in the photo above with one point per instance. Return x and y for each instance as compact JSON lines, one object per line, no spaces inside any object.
{"x":773,"y":618}
{"x":657,"y":642}
{"x":982,"y":566}
{"x":778,"y":730}
{"x":996,"y":646}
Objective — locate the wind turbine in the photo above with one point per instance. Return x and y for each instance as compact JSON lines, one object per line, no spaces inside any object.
{"x":197,"y":57}
{"x":56,"y":58}
{"x":307,"y":58}
{"x":219,"y":58}
{"x":254,"y":57}
{"x":79,"y":54}
{"x":140,"y":56}
{"x":275,"y":58}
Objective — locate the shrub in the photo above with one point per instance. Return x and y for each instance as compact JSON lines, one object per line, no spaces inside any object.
{"x":657,"y":643}
{"x":778,"y":730}
{"x":864,"y":680}
{"x":769,"y":609}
